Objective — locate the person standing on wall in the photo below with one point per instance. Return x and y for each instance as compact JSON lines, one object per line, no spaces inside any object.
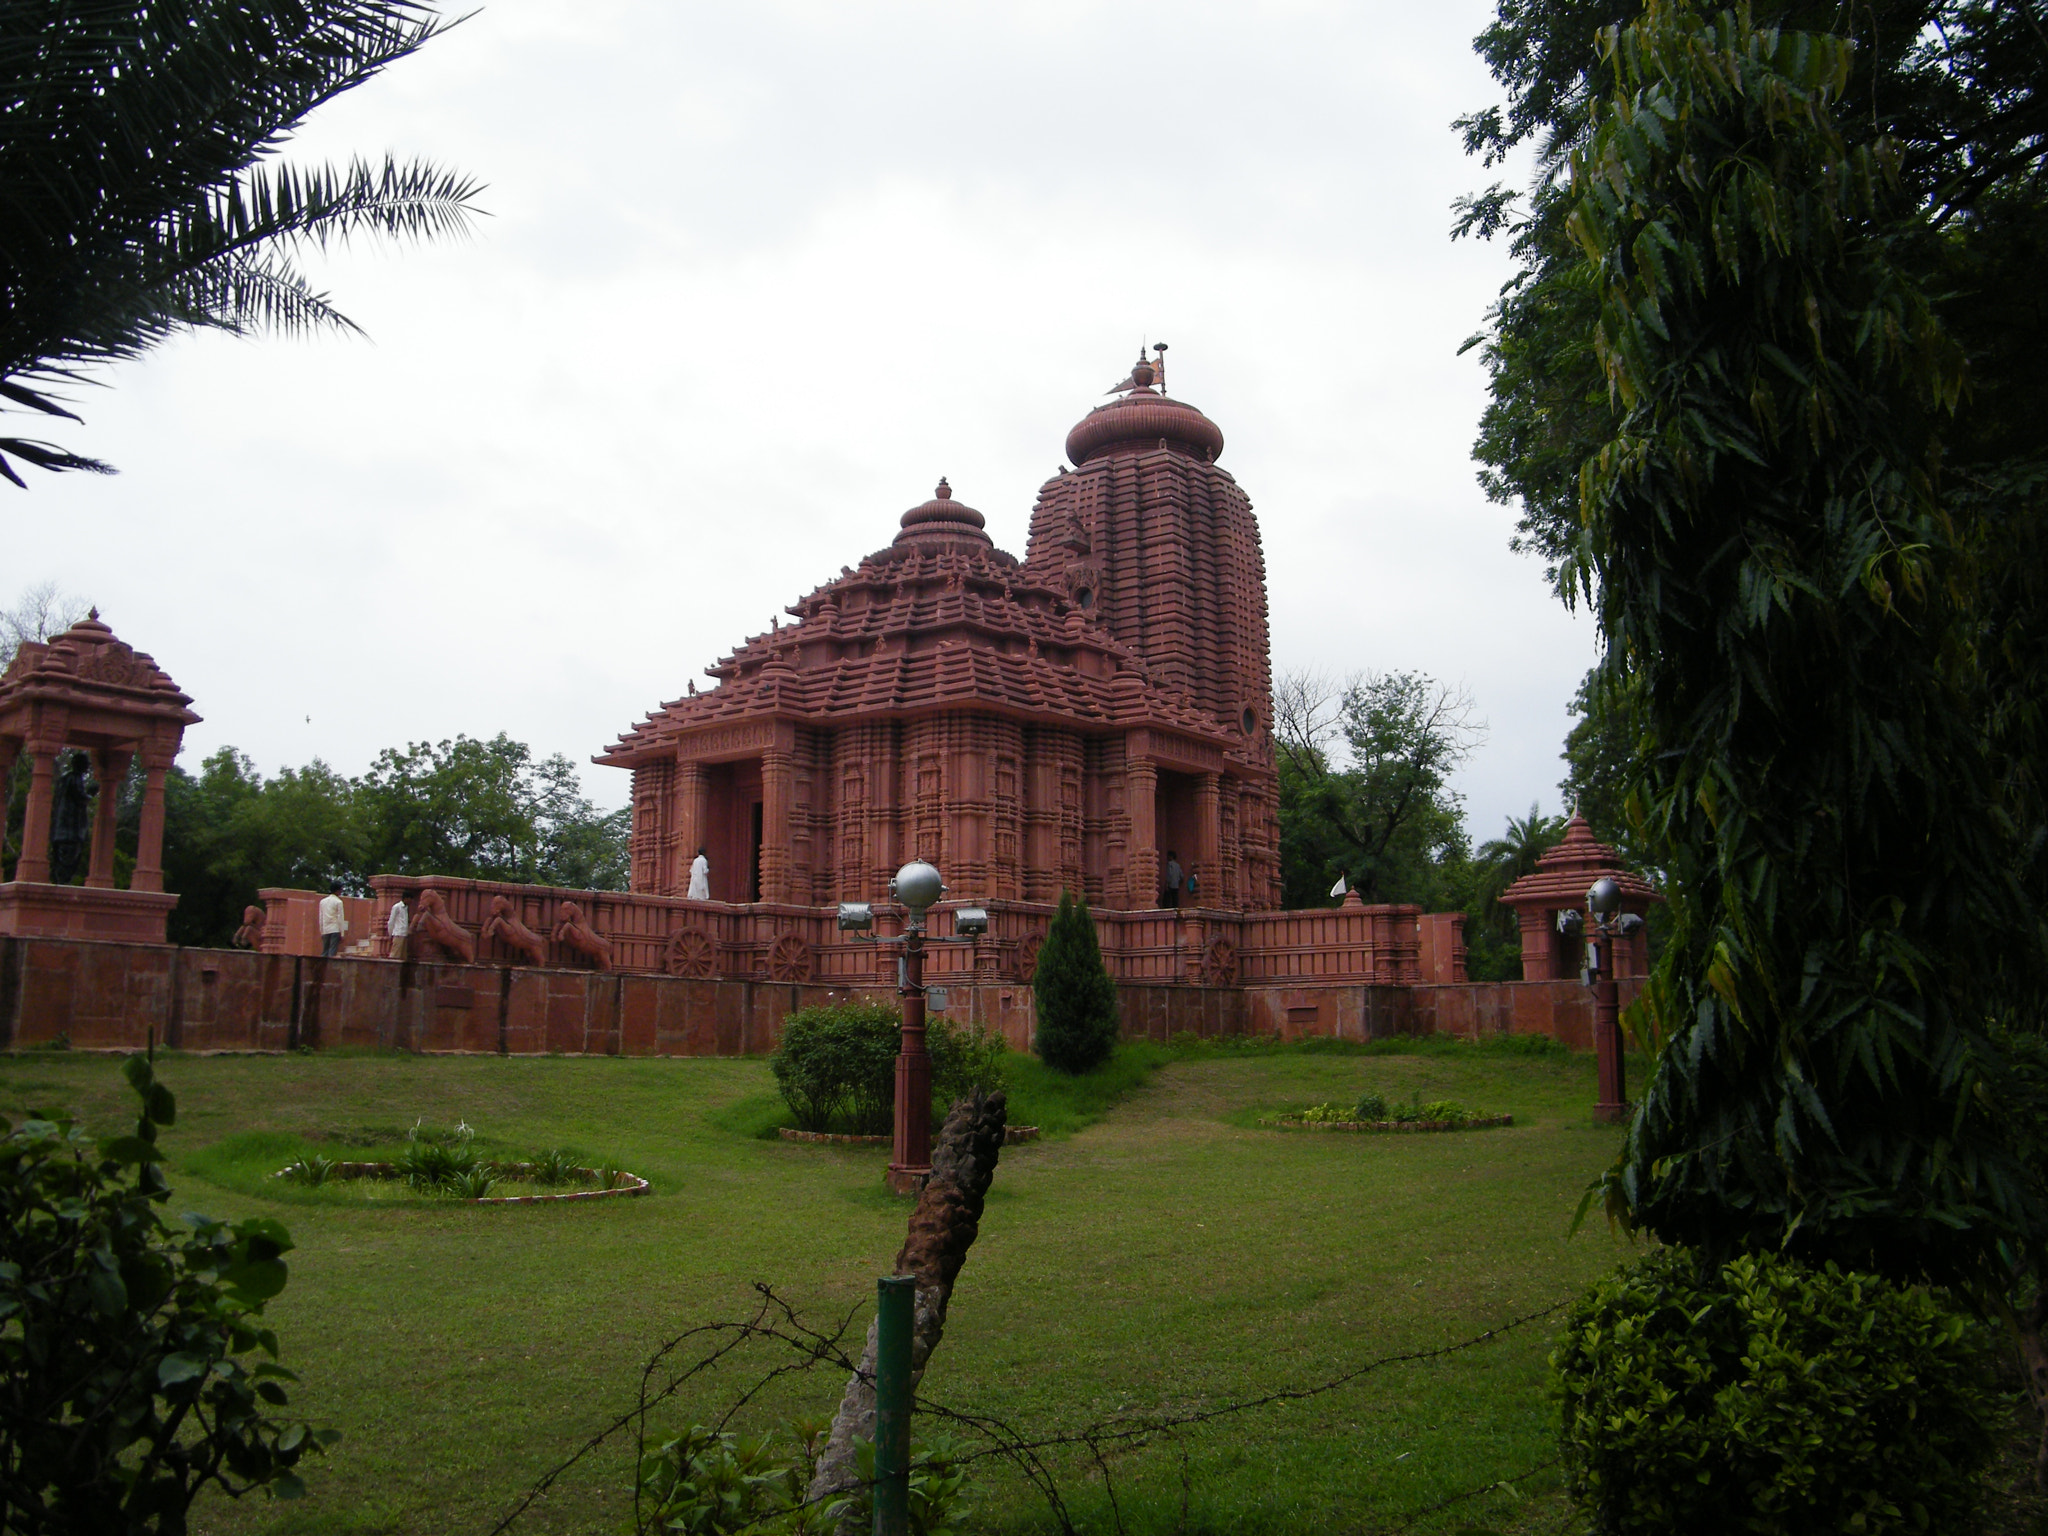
{"x":333,"y":923}
{"x":1174,"y":876}
{"x":397,"y":924}
{"x":700,"y":878}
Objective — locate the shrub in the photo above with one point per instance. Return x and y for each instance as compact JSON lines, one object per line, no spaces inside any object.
{"x":1770,"y":1399}
{"x":964,"y":1058}
{"x":1371,"y":1106}
{"x":432,"y":1165}
{"x":836,"y":1066}
{"x":708,"y":1482}
{"x":472,"y":1184}
{"x":123,"y":1384}
{"x":1077,"y":1005}
{"x":553,"y":1167}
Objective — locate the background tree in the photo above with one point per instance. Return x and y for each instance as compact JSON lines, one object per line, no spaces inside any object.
{"x":1493,"y":938}
{"x":1365,"y":786}
{"x":1954,"y":84}
{"x":42,"y":610}
{"x":1600,"y":765}
{"x":1074,"y":995}
{"x":228,"y":833}
{"x":133,"y":191}
{"x":1782,"y":587}
{"x":465,"y":808}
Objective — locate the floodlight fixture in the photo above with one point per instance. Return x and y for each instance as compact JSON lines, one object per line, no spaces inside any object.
{"x":917,"y":885}
{"x":1569,"y":922}
{"x":1628,"y":924}
{"x":855,"y":916}
{"x":970,"y":922}
{"x":1604,"y":899}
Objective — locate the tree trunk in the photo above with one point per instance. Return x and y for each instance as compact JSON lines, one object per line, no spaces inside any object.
{"x":942,"y":1229}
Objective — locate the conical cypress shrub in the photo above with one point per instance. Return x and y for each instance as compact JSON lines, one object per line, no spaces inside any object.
{"x":1077,"y":1012}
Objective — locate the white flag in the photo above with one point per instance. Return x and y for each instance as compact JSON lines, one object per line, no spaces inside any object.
{"x":1339,"y":888}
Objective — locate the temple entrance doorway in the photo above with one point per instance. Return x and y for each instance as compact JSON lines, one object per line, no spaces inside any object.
{"x":732,"y":834}
{"x":1178,"y":825}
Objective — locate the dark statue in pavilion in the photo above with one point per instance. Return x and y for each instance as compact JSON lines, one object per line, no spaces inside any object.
{"x":70,"y":816}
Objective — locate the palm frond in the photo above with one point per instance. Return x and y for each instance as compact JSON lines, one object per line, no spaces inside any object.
{"x":134,"y":197}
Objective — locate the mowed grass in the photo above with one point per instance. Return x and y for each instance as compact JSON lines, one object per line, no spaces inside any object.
{"x":1172,"y":1255}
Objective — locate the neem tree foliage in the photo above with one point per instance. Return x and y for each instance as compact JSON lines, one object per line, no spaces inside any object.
{"x":1077,"y":1012}
{"x":1781,"y":587}
{"x":123,"y":1384}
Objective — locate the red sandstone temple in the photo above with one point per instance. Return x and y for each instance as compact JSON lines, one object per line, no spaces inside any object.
{"x":1059,"y":724}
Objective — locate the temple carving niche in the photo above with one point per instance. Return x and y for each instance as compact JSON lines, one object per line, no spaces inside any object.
{"x":1058,"y":723}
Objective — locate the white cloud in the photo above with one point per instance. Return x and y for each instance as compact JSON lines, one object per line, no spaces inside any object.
{"x":755,"y":277}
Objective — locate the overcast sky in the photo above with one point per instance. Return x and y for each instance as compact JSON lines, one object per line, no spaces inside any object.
{"x":754,"y":278}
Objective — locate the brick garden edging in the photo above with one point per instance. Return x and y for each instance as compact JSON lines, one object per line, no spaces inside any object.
{"x":638,"y":1186}
{"x":1476,"y":1123}
{"x":1011,"y":1137}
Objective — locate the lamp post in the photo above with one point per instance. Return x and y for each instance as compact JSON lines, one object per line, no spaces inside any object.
{"x":1609,"y":922}
{"x":916,"y":886}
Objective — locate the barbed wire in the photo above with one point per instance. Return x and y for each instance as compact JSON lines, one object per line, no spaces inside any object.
{"x":775,"y":1321}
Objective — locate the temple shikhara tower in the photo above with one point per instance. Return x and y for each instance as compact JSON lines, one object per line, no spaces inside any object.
{"x":1059,"y":723}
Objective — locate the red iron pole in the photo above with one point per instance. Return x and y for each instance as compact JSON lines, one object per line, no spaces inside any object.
{"x":911,"y":1162}
{"x":1612,"y":1107}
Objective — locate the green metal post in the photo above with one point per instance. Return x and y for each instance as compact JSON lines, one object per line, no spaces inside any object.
{"x":895,"y":1314}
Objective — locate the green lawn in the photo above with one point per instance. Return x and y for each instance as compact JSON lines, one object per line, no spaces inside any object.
{"x":1170,"y":1255}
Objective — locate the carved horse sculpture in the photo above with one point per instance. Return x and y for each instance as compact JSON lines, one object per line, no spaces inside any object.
{"x":250,"y":934}
{"x":434,"y":930}
{"x":578,"y":938}
{"x":515,"y":935}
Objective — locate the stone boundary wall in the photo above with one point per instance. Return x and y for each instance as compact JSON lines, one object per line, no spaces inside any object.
{"x":657,"y":935}
{"x":108,"y":996}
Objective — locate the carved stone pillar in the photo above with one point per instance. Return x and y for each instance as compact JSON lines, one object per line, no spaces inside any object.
{"x":1141,"y":874}
{"x":35,"y":821}
{"x":149,"y":841}
{"x":777,"y":775}
{"x":691,"y":811}
{"x":10,"y":750}
{"x":111,"y":765}
{"x":1209,"y":839}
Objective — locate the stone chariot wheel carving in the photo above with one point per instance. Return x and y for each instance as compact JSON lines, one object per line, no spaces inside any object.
{"x":1027,"y":955}
{"x":690,"y":954}
{"x":789,"y":959}
{"x":1219,"y":964}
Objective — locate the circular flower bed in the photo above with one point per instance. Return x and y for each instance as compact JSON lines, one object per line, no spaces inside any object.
{"x":1011,"y":1137}
{"x":1375,"y":1112}
{"x":1470,"y":1123}
{"x":475,"y":1181}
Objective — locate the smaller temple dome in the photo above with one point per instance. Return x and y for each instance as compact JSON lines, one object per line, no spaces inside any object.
{"x":1144,"y":419}
{"x":943,"y":520}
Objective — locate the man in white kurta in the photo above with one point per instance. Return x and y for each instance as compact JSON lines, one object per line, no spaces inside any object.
{"x":333,"y":922}
{"x":700,"y":878}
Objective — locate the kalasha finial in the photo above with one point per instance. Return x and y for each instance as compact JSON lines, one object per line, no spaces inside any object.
{"x":1143,"y":373}
{"x":944,"y":492}
{"x":92,"y":613}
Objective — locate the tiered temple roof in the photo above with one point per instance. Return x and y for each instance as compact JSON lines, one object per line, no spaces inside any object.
{"x":938,"y":619}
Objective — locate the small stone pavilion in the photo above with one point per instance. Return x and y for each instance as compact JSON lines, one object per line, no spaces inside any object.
{"x":88,"y":691}
{"x":1559,"y":883}
{"x":1060,"y":723}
